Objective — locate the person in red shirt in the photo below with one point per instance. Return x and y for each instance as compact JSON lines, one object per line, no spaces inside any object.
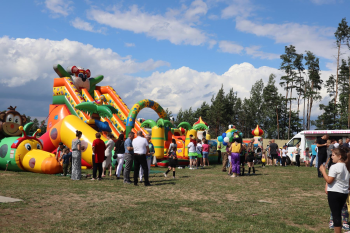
{"x":205,"y":150}
{"x":98,"y":149}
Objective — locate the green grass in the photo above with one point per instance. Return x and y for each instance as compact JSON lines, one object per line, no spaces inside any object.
{"x":277,"y":199}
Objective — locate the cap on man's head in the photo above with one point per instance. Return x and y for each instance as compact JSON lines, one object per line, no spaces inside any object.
{"x":61,"y":143}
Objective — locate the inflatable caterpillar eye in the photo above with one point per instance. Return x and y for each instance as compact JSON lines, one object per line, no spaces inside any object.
{"x":88,"y":73}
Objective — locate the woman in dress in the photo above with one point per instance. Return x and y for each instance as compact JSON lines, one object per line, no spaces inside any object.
{"x":119,"y":150}
{"x":76,"y":156}
{"x":107,"y":163}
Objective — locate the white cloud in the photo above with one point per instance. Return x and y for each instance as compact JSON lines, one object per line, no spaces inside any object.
{"x":212,"y":43}
{"x":230,"y":47}
{"x":255,"y":53}
{"x":27,"y":68}
{"x":85,"y":26}
{"x":129,"y":44}
{"x":242,"y":8}
{"x":319,"y":40}
{"x":59,"y":7}
{"x":197,"y":8}
{"x":176,"y":30}
{"x":190,"y":87}
{"x":27,"y":60}
{"x":213,"y":17}
{"x":321,"y":2}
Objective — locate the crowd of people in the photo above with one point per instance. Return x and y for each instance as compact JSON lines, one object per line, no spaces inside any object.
{"x":327,"y":153}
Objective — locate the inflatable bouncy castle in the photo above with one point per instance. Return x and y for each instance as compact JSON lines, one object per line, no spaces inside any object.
{"x":78,"y":103}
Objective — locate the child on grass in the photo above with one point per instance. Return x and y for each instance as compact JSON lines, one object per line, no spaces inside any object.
{"x":263,"y":160}
{"x":192,"y":154}
{"x":307,"y":156}
{"x":66,"y":157}
{"x":199,"y":152}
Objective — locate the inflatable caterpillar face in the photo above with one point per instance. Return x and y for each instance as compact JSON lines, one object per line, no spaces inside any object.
{"x":10,"y":122}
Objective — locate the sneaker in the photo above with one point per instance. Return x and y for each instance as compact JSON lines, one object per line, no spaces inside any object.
{"x":331,"y":226}
{"x":173,"y":177}
{"x":233,"y":176}
{"x":93,"y":179}
{"x":165,"y":174}
{"x":346,"y":227}
{"x":127,"y":182}
{"x":190,"y":168}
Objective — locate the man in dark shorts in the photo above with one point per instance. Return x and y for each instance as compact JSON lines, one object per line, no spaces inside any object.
{"x":322,"y":152}
{"x":273,"y":151}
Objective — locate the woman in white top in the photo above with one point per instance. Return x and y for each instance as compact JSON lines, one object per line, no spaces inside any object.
{"x":337,"y":185}
{"x":107,"y":163}
{"x":192,"y":154}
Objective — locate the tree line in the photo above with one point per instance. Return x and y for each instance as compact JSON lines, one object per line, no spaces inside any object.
{"x":272,"y":110}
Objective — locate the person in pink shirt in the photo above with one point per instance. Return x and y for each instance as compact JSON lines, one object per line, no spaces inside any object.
{"x":205,"y":150}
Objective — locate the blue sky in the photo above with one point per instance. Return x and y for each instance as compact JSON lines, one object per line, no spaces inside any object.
{"x":164,"y":50}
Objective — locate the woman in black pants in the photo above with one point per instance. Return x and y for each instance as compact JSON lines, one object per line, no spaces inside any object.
{"x":337,"y":185}
{"x":297,"y":155}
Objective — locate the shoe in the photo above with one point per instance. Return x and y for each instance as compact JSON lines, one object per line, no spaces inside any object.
{"x":233,"y":176}
{"x":165,"y":174}
{"x":148,"y":184}
{"x":224,"y":170}
{"x":99,"y":178}
{"x":173,"y":177}
{"x":346,"y":227}
{"x":118,"y":177}
{"x":135,"y":184}
{"x":93,"y":179}
{"x":127,"y":182}
{"x":331,"y":226}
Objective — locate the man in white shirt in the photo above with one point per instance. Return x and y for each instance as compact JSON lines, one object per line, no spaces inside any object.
{"x":141,"y":149}
{"x":336,"y":144}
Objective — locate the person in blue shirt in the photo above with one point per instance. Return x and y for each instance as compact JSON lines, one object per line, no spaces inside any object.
{"x":313,"y":153}
{"x":66,"y":157}
{"x":128,"y":157}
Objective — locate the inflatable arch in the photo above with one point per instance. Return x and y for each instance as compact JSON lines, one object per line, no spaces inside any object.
{"x":146,"y":103}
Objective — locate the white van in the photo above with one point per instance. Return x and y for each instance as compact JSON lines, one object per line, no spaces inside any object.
{"x":306,"y":139}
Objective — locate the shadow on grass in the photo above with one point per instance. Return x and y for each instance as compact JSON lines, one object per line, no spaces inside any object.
{"x":172,"y":183}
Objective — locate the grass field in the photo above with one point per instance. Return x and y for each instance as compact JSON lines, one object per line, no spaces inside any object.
{"x":276,"y":199}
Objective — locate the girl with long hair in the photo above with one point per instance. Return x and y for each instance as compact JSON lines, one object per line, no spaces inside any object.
{"x":337,"y":185}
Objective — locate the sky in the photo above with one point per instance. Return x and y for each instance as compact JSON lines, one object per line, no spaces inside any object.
{"x":177,"y":53}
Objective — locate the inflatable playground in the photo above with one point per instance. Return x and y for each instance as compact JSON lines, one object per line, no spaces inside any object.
{"x":78,"y":103}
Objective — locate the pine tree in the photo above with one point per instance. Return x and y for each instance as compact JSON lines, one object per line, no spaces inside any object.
{"x":216,"y":114}
{"x":179,"y":117}
{"x":287,"y":65}
{"x":299,"y":80}
{"x":270,"y":109}
{"x":342,"y":35}
{"x":312,"y":63}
